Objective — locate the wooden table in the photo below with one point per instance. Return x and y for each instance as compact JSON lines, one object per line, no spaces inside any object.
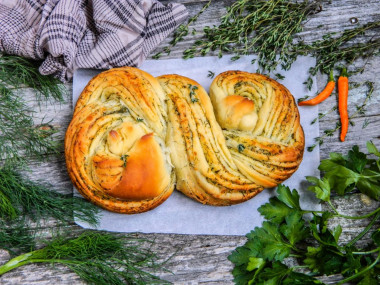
{"x":203,"y":259}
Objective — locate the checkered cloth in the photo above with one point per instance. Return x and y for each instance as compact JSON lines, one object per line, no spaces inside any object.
{"x":70,"y":34}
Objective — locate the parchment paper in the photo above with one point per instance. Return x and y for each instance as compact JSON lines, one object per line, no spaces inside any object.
{"x":182,"y":215}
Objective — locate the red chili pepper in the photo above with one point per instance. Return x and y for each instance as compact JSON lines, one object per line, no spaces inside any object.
{"x":323,"y":95}
{"x":342,"y":102}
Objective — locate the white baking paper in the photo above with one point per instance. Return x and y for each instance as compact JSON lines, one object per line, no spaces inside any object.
{"x":182,"y":215}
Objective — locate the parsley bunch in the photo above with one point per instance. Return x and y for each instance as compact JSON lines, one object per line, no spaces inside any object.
{"x":288,"y":237}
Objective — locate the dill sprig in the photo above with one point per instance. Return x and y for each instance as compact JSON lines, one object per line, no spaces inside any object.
{"x":18,"y":72}
{"x":19,"y":197}
{"x":97,"y":258}
{"x":16,"y":237}
{"x":265,"y":28}
{"x":19,"y":136}
{"x":22,"y":201}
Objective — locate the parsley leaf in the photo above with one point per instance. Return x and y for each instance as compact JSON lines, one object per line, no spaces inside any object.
{"x":272,"y":244}
{"x":275,"y":211}
{"x":290,"y":198}
{"x":344,"y":173}
{"x":321,"y":188}
{"x":294,"y":229}
{"x":316,"y":245}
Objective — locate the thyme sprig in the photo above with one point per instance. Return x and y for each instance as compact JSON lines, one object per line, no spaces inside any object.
{"x":344,"y":48}
{"x":98,"y":258}
{"x":182,"y":31}
{"x":265,"y":28}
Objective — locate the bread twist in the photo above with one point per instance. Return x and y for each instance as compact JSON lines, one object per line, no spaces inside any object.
{"x":115,"y":144}
{"x":261,"y":124}
{"x":224,"y":150}
{"x":260,"y":146}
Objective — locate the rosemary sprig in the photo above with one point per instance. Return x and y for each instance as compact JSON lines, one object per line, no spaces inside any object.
{"x":97,"y":258}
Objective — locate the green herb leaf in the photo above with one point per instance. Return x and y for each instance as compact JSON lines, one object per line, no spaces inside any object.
{"x":241,"y":147}
{"x":354,"y":170}
{"x":285,"y":233}
{"x":275,"y":211}
{"x":294,"y":229}
{"x":97,"y":258}
{"x":290,"y":198}
{"x":372,"y":148}
{"x":321,"y":188}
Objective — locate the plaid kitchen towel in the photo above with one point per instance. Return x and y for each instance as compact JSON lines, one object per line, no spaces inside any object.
{"x":70,"y":34}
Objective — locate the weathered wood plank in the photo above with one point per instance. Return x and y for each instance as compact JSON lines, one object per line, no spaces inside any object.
{"x":203,"y":259}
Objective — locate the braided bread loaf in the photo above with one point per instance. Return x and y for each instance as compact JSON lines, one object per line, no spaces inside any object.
{"x":115,"y":144}
{"x":223,"y":153}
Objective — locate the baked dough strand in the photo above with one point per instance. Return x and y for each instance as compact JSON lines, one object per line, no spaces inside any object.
{"x":115,"y":144}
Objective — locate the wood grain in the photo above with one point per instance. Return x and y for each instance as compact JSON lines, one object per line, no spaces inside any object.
{"x":203,"y":259}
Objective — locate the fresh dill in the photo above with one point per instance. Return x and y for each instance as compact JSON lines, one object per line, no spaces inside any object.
{"x":16,"y":237}
{"x":18,"y":72}
{"x":97,"y":258}
{"x":21,"y":199}
{"x":20,"y":136}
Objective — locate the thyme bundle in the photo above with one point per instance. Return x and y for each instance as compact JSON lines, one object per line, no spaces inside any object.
{"x":265,"y":28}
{"x":269,"y":28}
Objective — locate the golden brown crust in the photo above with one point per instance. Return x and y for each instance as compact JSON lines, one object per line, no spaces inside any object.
{"x":114,"y":146}
{"x":204,"y":166}
{"x":226,"y":152}
{"x":272,"y":149}
{"x":225,"y":148}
